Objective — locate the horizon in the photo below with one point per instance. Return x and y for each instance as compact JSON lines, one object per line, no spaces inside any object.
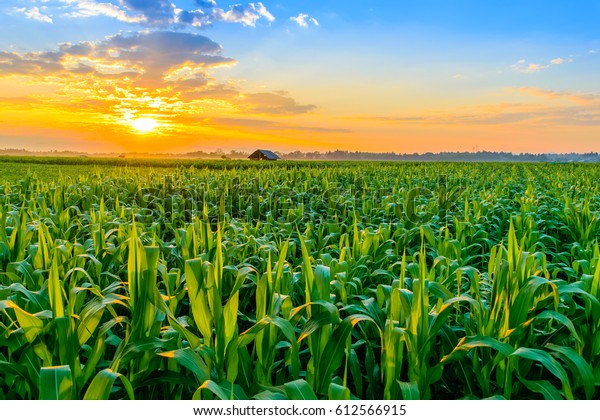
{"x":14,"y":152}
{"x":176,"y":77}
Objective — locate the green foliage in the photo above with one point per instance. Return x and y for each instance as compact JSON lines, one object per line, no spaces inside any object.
{"x":237,"y":280}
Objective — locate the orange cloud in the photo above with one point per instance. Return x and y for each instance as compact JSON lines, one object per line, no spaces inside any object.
{"x":574,"y":110}
{"x":168,"y":76}
{"x":580,"y":99}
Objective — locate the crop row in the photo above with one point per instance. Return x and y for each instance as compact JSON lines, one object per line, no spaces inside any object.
{"x":371,"y":281}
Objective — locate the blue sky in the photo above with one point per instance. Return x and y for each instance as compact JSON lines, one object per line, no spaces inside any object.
{"x":415,"y":75}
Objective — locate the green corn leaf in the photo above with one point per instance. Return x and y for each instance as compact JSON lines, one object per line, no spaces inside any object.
{"x":544,"y":387}
{"x":335,"y":349}
{"x":468,"y":343}
{"x":269,"y":396}
{"x":191,"y":361}
{"x":55,"y":291}
{"x":223,"y":391}
{"x":409,"y":390}
{"x":338,"y":392}
{"x":101,"y":386}
{"x":56,"y":383}
{"x":91,"y":317}
{"x":32,"y":325}
{"x":578,"y":366}
{"x":299,"y":390}
{"x":549,"y":363}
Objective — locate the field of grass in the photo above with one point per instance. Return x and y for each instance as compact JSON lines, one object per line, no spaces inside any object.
{"x":238,"y":280}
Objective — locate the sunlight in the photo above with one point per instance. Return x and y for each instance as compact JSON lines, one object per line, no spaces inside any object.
{"x":144,"y":125}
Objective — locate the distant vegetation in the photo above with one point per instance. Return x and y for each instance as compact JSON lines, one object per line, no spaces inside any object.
{"x":482,"y":156}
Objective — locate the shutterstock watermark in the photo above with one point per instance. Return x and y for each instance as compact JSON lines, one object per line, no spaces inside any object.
{"x":251,"y":203}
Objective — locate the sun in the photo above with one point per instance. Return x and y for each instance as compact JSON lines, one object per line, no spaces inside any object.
{"x":144,"y":125}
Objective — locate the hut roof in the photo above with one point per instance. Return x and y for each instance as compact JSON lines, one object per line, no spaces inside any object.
{"x":262,"y":154}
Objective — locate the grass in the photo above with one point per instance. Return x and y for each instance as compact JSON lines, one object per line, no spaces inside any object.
{"x":237,"y":280}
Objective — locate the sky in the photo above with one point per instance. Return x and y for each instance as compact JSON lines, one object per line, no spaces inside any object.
{"x":400,"y":76}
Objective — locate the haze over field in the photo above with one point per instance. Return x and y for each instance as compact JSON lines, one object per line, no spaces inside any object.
{"x":401,"y":76}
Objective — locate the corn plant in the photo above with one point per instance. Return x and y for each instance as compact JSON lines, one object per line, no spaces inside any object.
{"x":245,"y":280}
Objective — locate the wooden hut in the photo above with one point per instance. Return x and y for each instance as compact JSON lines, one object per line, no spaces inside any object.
{"x":261,"y":154}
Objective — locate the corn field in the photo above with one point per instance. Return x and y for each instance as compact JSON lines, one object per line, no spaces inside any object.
{"x":301,"y":281}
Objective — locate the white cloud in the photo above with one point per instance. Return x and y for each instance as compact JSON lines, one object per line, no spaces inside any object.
{"x":35,"y":14}
{"x":247,"y":14}
{"x":164,"y":13}
{"x":521,"y":66}
{"x":155,"y":12}
{"x":150,"y":58}
{"x":87,"y":8}
{"x":303,"y":20}
{"x":534,"y":67}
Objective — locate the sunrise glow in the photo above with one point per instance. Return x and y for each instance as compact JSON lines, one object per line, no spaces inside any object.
{"x":96,"y":76}
{"x":144,"y":125}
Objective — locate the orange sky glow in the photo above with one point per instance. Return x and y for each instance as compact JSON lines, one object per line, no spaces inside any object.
{"x":160,"y":88}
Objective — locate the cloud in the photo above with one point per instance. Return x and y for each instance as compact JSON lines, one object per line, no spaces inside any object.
{"x":156,"y":12}
{"x":27,"y":64}
{"x":303,"y":20}
{"x":206,"y":3}
{"x":163,"y":74}
{"x":165,"y":14}
{"x":273,"y":103}
{"x":197,"y":18}
{"x":522,"y":66}
{"x":271,"y":125}
{"x":35,"y":14}
{"x":475,"y":118}
{"x":149,"y":57}
{"x":559,"y":108}
{"x":579,"y":99}
{"x":19,"y":103}
{"x":88,"y":8}
{"x":247,"y":14}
